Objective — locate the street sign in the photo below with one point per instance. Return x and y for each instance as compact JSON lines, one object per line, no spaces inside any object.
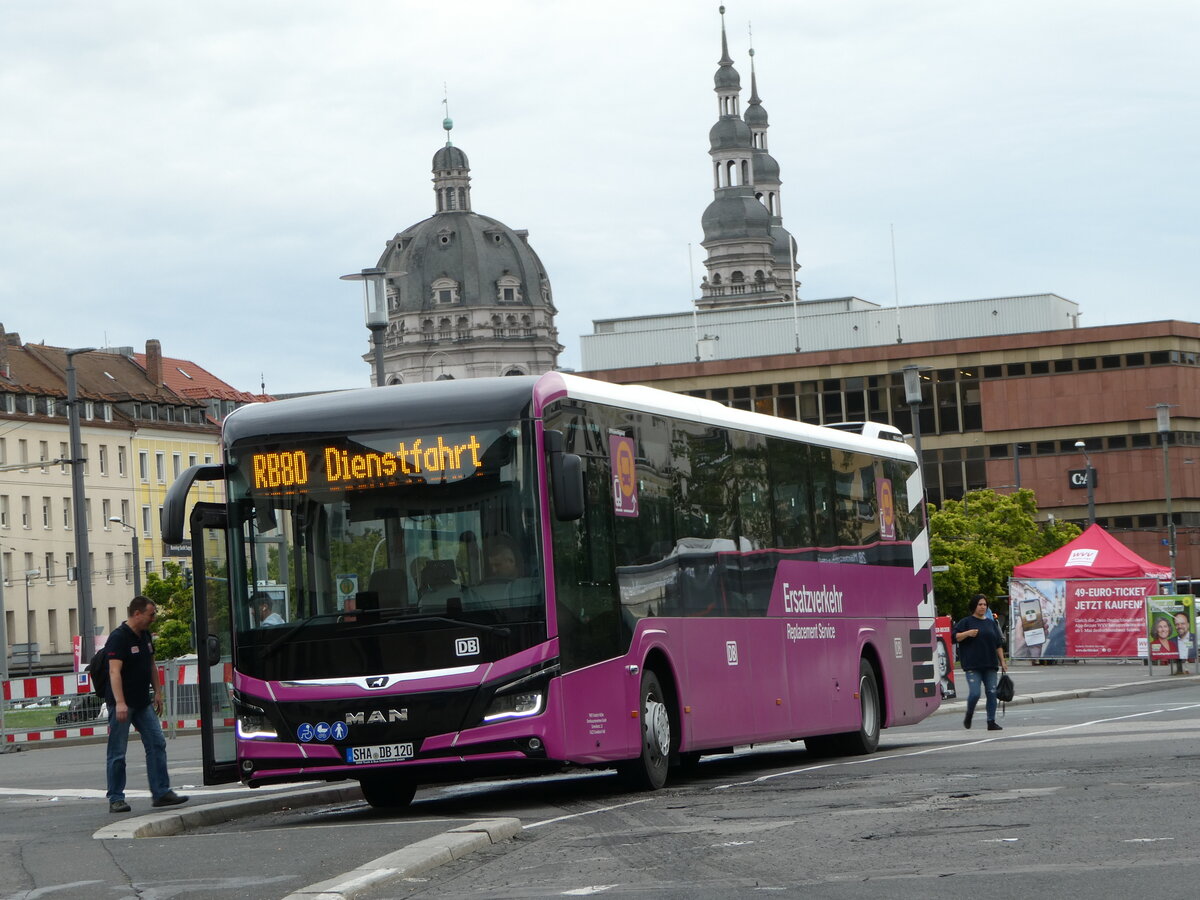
{"x":1077,"y":479}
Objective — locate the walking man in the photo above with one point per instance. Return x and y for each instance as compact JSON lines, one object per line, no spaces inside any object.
{"x":132,"y":676}
{"x":981,"y":652}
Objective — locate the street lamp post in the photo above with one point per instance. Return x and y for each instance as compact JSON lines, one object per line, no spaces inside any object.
{"x":912,"y":394}
{"x":137,"y":565}
{"x":3,"y":632}
{"x":1163,"y":412}
{"x":30,"y":574}
{"x":1091,"y":482}
{"x":83,"y":575}
{"x":1017,"y":465}
{"x":375,"y":306}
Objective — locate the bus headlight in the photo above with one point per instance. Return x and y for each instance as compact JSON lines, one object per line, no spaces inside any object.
{"x":253,"y":724}
{"x":517,"y":705}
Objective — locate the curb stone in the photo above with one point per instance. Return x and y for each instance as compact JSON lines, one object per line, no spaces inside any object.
{"x":415,"y":859}
{"x":959,"y":703}
{"x":177,"y":821}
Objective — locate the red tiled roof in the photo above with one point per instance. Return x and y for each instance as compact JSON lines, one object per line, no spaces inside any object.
{"x":187,"y":379}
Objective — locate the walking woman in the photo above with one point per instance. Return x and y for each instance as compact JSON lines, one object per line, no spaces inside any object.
{"x":981,"y":652}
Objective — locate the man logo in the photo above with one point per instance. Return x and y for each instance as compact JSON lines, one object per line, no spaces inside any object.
{"x":377,"y":717}
{"x":378,"y":681}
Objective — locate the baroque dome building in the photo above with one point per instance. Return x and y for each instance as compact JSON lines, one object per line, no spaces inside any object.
{"x":467,"y":296}
{"x":750,"y":255}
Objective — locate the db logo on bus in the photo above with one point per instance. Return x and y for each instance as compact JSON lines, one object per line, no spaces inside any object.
{"x":466,"y":646}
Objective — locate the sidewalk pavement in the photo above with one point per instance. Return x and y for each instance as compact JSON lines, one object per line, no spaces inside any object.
{"x":1077,"y":678}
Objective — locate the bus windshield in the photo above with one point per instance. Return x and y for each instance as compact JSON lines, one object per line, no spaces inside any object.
{"x":391,"y":551}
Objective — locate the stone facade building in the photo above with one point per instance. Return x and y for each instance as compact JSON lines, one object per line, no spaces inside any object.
{"x":467,"y":295}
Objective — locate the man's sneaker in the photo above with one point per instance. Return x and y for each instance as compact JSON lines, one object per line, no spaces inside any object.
{"x":967,"y":719}
{"x":116,"y":806}
{"x":170,"y":798}
{"x":994,"y":726}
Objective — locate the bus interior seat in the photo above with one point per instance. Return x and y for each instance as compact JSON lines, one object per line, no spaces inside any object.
{"x":445,"y":601}
{"x":436,"y":575}
{"x":391,"y":585}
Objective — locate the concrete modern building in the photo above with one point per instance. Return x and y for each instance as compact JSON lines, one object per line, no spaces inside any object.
{"x":467,"y":295}
{"x":1008,"y":386}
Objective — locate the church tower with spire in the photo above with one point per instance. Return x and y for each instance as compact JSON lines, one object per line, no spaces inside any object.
{"x":749,"y":253}
{"x":467,"y":295}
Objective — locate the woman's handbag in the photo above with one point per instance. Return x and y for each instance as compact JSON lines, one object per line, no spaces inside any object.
{"x":1004,"y":688}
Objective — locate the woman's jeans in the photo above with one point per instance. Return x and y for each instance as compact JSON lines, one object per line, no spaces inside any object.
{"x":145,"y":720}
{"x":989,"y":679}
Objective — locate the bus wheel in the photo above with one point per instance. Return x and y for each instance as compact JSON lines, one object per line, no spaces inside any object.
{"x":387,"y":791}
{"x":649,"y":771}
{"x":866,"y":739}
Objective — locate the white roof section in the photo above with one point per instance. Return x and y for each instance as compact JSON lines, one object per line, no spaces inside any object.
{"x":655,"y":401}
{"x":837,"y":324}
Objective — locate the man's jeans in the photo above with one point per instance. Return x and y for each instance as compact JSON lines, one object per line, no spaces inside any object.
{"x":145,"y":720}
{"x":989,"y":679}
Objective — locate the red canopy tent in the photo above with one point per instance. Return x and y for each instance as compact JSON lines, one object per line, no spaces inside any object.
{"x":1094,"y":554}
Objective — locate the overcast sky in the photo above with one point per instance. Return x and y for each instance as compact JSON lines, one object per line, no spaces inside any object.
{"x":202,"y":173}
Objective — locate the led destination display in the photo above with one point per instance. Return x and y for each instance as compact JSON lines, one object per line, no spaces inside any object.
{"x":338,"y":467}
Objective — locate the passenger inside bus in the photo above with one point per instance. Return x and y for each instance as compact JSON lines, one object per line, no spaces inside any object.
{"x":266,"y":611}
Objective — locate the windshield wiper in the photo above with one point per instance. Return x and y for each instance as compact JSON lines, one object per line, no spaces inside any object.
{"x":494,"y":629}
{"x":297,"y":626}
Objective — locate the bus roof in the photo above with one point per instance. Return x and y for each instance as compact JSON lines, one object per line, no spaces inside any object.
{"x":655,"y":401}
{"x":437,"y":403}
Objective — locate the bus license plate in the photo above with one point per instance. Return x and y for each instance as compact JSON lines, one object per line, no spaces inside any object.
{"x":380,"y":753}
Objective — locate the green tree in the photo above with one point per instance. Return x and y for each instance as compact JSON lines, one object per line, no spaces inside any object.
{"x":173,"y":597}
{"x":981,"y":538}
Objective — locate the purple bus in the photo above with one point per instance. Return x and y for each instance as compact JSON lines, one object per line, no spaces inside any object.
{"x":522,"y":574}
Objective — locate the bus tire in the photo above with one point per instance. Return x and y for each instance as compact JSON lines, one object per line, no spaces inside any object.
{"x":866,"y":739}
{"x":648,"y":772}
{"x":387,"y":790}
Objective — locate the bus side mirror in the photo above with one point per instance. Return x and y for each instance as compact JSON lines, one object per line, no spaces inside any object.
{"x":566,"y":479}
{"x":213,"y":649}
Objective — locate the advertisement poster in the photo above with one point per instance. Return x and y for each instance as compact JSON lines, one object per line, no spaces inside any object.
{"x":1106,"y":617}
{"x":621,"y":454}
{"x":1037,"y":623}
{"x":1171,"y":628}
{"x":943,"y":657}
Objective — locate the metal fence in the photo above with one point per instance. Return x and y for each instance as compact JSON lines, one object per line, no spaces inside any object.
{"x":60,"y":707}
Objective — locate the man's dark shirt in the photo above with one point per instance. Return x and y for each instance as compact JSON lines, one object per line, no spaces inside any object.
{"x":137,"y":665}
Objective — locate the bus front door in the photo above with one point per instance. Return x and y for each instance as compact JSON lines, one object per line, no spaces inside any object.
{"x":211,"y":606}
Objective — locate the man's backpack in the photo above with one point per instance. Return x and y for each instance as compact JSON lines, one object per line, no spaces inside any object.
{"x":97,"y":671}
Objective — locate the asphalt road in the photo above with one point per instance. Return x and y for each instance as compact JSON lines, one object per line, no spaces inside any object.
{"x":1078,"y":795}
{"x":1086,"y":798}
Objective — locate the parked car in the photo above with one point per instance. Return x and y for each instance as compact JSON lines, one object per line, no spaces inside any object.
{"x":83,"y":708}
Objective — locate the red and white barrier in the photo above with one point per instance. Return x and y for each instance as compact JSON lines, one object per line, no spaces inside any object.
{"x":54,"y":734}
{"x":73,"y":684}
{"x":45,"y":686}
{"x":189,"y":673}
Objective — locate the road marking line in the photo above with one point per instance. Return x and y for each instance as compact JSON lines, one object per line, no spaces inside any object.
{"x":590,"y":812}
{"x":881,"y":757}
